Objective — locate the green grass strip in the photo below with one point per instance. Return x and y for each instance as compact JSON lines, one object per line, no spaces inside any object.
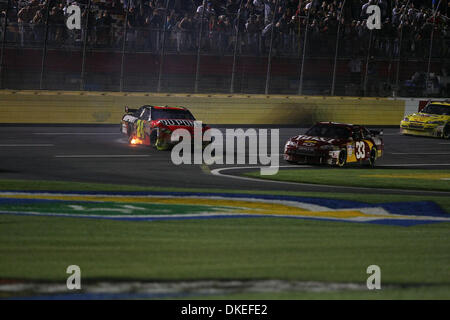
{"x":433,"y":180}
{"x":41,"y":248}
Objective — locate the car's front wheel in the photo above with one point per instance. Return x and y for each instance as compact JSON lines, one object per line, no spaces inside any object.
{"x":373,"y":157}
{"x":157,"y":142}
{"x":446,"y":132}
{"x":342,"y":158}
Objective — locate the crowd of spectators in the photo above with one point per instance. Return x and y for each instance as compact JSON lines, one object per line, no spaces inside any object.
{"x":255,"y":20}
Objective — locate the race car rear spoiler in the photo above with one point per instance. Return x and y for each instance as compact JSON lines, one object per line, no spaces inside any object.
{"x":128,"y":110}
{"x":377,"y":132}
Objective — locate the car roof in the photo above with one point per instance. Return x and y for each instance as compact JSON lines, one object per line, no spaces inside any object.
{"x":170,"y":108}
{"x":348,"y":125}
{"x":445,"y":103}
{"x":147,"y":106}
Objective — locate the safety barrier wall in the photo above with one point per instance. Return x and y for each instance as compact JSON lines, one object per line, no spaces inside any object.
{"x":75,"y":107}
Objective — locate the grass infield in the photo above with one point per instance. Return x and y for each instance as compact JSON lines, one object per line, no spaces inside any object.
{"x":435,"y":180}
{"x":413,"y":260}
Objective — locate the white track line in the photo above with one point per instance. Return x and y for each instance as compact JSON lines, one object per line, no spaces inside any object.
{"x":75,"y":133}
{"x":422,"y":153}
{"x":217,"y":172}
{"x":102,"y":156}
{"x":413,"y":165}
{"x":28,"y":145}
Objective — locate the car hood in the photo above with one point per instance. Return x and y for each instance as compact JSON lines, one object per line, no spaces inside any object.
{"x":314,"y":141}
{"x":426,"y":117}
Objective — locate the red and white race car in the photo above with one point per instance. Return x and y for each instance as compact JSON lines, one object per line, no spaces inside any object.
{"x":153,"y":125}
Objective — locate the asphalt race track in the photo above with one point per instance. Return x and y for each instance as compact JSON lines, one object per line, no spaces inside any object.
{"x":101,"y":154}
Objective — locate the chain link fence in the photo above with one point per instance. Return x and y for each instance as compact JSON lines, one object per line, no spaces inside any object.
{"x":201,"y":53}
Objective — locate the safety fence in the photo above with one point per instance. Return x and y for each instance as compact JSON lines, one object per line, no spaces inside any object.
{"x":226,"y":56}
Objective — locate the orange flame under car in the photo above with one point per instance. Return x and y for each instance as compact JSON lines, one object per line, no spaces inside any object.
{"x":135,"y":141}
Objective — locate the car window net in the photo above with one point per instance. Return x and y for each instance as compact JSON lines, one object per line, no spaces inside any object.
{"x":329,"y":131}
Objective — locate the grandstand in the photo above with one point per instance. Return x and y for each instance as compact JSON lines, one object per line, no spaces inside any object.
{"x":127,"y":40}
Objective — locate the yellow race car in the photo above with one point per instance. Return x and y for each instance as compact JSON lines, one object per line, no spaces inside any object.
{"x":433,"y":121}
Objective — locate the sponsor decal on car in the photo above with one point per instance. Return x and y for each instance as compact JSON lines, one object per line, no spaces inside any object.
{"x":170,"y":122}
{"x":349,"y":150}
{"x":314,"y":139}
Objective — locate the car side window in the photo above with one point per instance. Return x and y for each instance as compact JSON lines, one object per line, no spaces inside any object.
{"x":366,"y":133}
{"x":145,"y":115}
{"x":356,"y":133}
{"x":138,"y":112}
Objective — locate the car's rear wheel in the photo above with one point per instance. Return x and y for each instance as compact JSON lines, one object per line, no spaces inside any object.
{"x":129,"y":130}
{"x":342,"y":158}
{"x":130,"y":133}
{"x":373,"y":157}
